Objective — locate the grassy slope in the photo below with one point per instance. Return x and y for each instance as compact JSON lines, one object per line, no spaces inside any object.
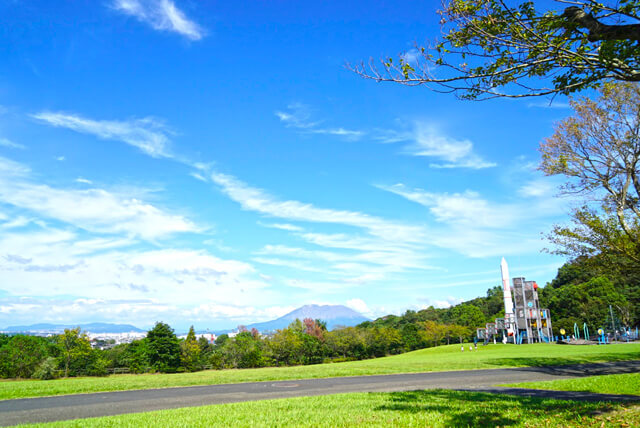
{"x":432,"y":359}
{"x":434,"y":408}
{"x":609,"y":384}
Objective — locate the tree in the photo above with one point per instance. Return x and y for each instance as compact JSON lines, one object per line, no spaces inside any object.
{"x":243,"y":351}
{"x":163,"y":349}
{"x":190,"y":352}
{"x":21,"y":355}
{"x":434,"y":331}
{"x":312,"y":328}
{"x":499,"y":48}
{"x":598,"y":151}
{"x":75,"y":349}
{"x":467,"y":315}
{"x":347,"y":342}
{"x":284,"y":347}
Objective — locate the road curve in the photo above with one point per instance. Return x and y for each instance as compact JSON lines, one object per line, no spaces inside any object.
{"x":48,"y":409}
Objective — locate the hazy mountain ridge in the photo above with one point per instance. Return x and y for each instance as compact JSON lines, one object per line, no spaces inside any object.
{"x":96,"y":327}
{"x":333,"y":315}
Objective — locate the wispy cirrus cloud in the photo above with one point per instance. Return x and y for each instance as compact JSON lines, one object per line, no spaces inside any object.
{"x":299,"y":116}
{"x":4,"y":142}
{"x":148,"y":134}
{"x":467,"y":208}
{"x":162,"y":15}
{"x":478,"y":227}
{"x":428,"y":141}
{"x":254,"y":199}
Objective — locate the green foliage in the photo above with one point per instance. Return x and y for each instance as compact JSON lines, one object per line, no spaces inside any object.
{"x":190,"y":352}
{"x":47,"y":369}
{"x":585,"y":287}
{"x":467,"y":315}
{"x":597,"y":151}
{"x":163,"y":350}
{"x":75,"y":351}
{"x":135,"y":356}
{"x":21,"y":355}
{"x":492,"y":48}
{"x":243,"y":351}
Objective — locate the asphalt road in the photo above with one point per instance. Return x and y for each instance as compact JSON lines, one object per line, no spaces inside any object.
{"x":47,"y":409}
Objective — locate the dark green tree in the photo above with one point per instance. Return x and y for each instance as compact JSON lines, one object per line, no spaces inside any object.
{"x":467,"y":315}
{"x":21,"y":355}
{"x":163,"y":350}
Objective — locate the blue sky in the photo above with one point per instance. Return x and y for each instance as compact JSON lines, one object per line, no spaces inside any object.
{"x":215,"y":163}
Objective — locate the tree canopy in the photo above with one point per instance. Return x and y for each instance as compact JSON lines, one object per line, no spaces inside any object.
{"x":492,"y":48}
{"x":598,"y":151}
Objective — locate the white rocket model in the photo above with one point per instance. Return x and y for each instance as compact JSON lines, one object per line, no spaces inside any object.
{"x":508,"y":301}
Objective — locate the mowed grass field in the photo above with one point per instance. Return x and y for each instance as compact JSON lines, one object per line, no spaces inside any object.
{"x":433,"y":408}
{"x":607,"y":384}
{"x":441,"y":358}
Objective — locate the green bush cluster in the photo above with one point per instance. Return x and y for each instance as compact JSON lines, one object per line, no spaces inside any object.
{"x":67,"y":354}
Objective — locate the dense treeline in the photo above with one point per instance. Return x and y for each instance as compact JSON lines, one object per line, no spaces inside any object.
{"x":302,"y":342}
{"x":583,"y":290}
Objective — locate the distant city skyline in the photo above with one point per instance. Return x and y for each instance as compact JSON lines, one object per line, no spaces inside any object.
{"x":211,"y":164}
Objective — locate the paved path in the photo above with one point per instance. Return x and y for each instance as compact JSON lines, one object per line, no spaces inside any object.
{"x":48,"y":409}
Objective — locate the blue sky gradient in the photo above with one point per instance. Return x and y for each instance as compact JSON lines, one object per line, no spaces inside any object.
{"x":215,"y":163}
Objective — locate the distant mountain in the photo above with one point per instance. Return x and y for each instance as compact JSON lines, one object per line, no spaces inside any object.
{"x":96,"y":327}
{"x":333,"y":315}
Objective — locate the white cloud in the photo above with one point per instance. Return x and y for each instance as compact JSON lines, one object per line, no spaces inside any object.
{"x":467,"y":208}
{"x":477,"y":227}
{"x":255,"y":199}
{"x":359,"y":305}
{"x":197,"y":176}
{"x":293,"y":264}
{"x":59,"y":158}
{"x":428,"y":141}
{"x":10,"y":144}
{"x":341,"y":132}
{"x":95,"y":210}
{"x":83,"y":180}
{"x":283,"y":226}
{"x":142,"y":313}
{"x":299,"y":116}
{"x":538,"y":188}
{"x":161,"y":15}
{"x":148,"y":134}
{"x":56,"y":262}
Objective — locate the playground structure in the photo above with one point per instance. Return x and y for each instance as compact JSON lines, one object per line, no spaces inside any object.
{"x":524,"y":320}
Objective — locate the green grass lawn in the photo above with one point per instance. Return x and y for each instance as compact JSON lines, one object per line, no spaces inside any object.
{"x":433,"y":408}
{"x":425,"y":360}
{"x":607,"y":384}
